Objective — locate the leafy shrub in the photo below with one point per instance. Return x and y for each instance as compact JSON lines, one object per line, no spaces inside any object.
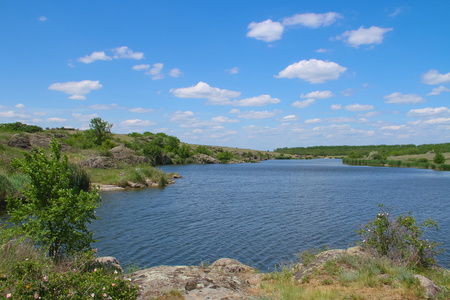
{"x":203,"y":150}
{"x":225,"y":156}
{"x":79,"y":180}
{"x":400,"y":239}
{"x":20,"y":127}
{"x":439,"y":158}
{"x":422,"y":160}
{"x":31,"y":275}
{"x":108,"y":144}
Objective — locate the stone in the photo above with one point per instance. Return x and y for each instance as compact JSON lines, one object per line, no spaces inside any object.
{"x":431,"y":289}
{"x":109,"y":262}
{"x":20,"y":141}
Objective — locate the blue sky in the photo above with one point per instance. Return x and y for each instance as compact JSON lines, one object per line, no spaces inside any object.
{"x":251,"y":74}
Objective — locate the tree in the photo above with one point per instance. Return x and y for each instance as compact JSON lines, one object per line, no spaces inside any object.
{"x":99,"y":130}
{"x":439,"y":158}
{"x":54,"y":215}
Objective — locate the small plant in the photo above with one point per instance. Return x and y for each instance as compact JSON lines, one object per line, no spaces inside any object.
{"x":309,"y":255}
{"x":401,"y":239}
{"x":439,"y":158}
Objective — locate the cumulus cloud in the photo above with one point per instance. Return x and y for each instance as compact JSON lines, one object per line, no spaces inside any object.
{"x":313,"y":71}
{"x":56,"y":120}
{"x":267,"y":30}
{"x":304,"y":103}
{"x":94,"y":56}
{"x":137,"y":123}
{"x":318,"y":95}
{"x":369,"y":114}
{"x":428,"y":111}
{"x":336,"y":106}
{"x":393,"y":127}
{"x":182,"y":116}
{"x":438,"y":121}
{"x":141,"y":110}
{"x":105,"y":106}
{"x":258,"y":115}
{"x":203,"y":90}
{"x":289,"y":118}
{"x":312,"y":20}
{"x":313,"y":121}
{"x":20,"y":106}
{"x":83,"y":118}
{"x":141,"y":67}
{"x":347,"y":92}
{"x":175,"y":72}
{"x":76,"y":88}
{"x":222,"y":119}
{"x":125,"y":52}
{"x":437,"y":91}
{"x":363,"y":36}
{"x":433,"y":77}
{"x":397,"y":11}
{"x":358,"y":107}
{"x":7,"y":114}
{"x":155,"y":71}
{"x":232,"y":71}
{"x":399,"y":98}
{"x":321,"y":50}
{"x":42,"y":18}
{"x":261,"y":100}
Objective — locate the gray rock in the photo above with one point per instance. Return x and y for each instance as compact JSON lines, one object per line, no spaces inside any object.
{"x":431,"y":289}
{"x":200,"y":158}
{"x":109,"y":262}
{"x":20,"y":141}
{"x":128,"y":156}
{"x":98,"y":162}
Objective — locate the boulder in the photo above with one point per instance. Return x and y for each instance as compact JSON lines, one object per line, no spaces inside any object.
{"x":99,"y":162}
{"x":128,"y":156}
{"x":204,"y":159}
{"x":224,"y":279}
{"x":108,"y":262}
{"x":20,"y":141}
{"x":431,"y":289}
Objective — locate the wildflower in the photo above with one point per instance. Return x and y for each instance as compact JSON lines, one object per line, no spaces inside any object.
{"x":103,"y":288}
{"x":26,"y":258}
{"x":115,"y":272}
{"x":94,"y":250}
{"x":36,"y":296}
{"x":113,"y":284}
{"x":104,"y":295}
{"x":92,"y":295}
{"x":8,"y":295}
{"x":45,"y":278}
{"x":95,"y":270}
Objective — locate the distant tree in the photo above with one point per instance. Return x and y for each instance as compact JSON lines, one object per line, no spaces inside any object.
{"x":55,"y":215}
{"x":99,"y":130}
{"x":439,"y":158}
{"x":354,"y":154}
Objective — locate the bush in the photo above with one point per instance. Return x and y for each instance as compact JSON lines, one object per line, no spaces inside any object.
{"x":203,"y":150}
{"x":400,"y":239}
{"x":54,"y":215}
{"x":422,"y":160}
{"x":225,"y":156}
{"x":439,"y":158}
{"x":79,"y":180}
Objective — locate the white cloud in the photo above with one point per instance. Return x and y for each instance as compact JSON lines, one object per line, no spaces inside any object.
{"x":76,"y":88}
{"x":438,"y":121}
{"x":137,"y":123}
{"x":318,"y":95}
{"x":363,"y":36}
{"x":313,"y":121}
{"x":56,"y":120}
{"x":258,"y":115}
{"x":7,"y":114}
{"x":141,"y":67}
{"x":347,"y":92}
{"x":369,"y":114}
{"x":429,"y":111}
{"x":83,"y":118}
{"x":321,"y":50}
{"x":433,"y":77}
{"x":175,"y":72}
{"x":399,"y":98}
{"x":437,"y":91}
{"x":125,"y":52}
{"x":105,"y":106}
{"x":182,"y":116}
{"x":261,"y":100}
{"x":222,"y":119}
{"x":141,"y":110}
{"x":20,"y":106}
{"x":312,"y":20}
{"x":155,"y":71}
{"x":341,"y":120}
{"x":397,"y":11}
{"x":42,"y":18}
{"x":393,"y":127}
{"x":267,"y":30}
{"x":313,"y":71}
{"x":234,"y":70}
{"x":304,"y":103}
{"x":94,"y":56}
{"x":289,"y":118}
{"x":358,"y":107}
{"x":336,"y":106}
{"x":203,"y":90}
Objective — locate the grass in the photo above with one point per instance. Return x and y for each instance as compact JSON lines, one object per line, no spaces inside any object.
{"x":353,"y":277}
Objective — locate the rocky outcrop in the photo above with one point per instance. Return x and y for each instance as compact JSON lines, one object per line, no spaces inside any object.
{"x":108,"y":262}
{"x":224,"y":279}
{"x":20,"y":141}
{"x":99,"y":162}
{"x":431,"y":289}
{"x":128,"y":156}
{"x":37,"y":141}
{"x":204,"y":159}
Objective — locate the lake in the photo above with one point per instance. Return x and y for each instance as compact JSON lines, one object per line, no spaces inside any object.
{"x":262,"y":214}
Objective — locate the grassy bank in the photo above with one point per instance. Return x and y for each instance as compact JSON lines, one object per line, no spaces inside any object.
{"x":410,"y":163}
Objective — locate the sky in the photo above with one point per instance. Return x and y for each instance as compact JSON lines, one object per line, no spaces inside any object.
{"x":249,"y":74}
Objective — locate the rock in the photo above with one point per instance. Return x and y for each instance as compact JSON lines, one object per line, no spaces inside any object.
{"x":431,"y":289}
{"x":128,"y":156}
{"x":135,"y":185}
{"x":20,"y":141}
{"x":99,"y":162}
{"x":204,"y":159}
{"x":109,"y":262}
{"x":224,"y":279}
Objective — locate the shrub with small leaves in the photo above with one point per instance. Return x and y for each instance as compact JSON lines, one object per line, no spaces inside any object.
{"x":401,"y":239}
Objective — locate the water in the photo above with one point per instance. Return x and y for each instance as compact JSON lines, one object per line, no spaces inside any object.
{"x":262,"y":214}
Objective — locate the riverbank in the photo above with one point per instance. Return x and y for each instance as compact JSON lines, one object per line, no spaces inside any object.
{"x":424,"y":164}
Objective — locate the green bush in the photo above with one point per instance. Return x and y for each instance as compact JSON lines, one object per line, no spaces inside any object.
{"x":203,"y":150}
{"x":439,"y":158}
{"x":401,"y":239}
{"x":20,"y":127}
{"x":422,"y":160}
{"x":225,"y":156}
{"x":79,"y":180}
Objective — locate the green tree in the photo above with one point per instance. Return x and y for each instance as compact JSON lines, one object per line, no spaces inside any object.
{"x":439,"y":158}
{"x":54,"y":214}
{"x":225,"y":156}
{"x":99,"y":130}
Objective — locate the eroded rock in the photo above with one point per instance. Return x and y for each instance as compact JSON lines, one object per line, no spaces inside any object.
{"x":431,"y":289}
